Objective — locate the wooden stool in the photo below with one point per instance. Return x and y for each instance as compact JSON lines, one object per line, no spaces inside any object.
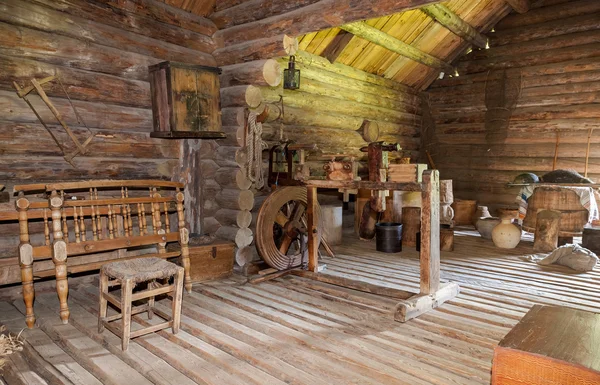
{"x":129,"y":273}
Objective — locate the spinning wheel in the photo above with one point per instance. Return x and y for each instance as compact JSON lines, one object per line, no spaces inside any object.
{"x":281,"y":228}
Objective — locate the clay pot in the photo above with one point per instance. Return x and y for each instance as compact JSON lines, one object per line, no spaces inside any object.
{"x":506,"y":235}
{"x":481,"y":212}
{"x":485,"y":225}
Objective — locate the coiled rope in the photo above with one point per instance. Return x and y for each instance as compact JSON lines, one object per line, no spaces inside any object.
{"x":255,"y":145}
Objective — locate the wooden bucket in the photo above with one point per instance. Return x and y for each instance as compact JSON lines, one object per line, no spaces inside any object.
{"x":573,"y":216}
{"x":463,"y":211}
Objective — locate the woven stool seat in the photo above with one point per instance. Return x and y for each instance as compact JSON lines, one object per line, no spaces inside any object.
{"x":141,"y":269}
{"x":127,"y":274}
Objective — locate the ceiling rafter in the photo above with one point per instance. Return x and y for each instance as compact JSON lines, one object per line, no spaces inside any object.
{"x":337,"y":45}
{"x":521,"y":6}
{"x":455,"y":24}
{"x":389,"y":42}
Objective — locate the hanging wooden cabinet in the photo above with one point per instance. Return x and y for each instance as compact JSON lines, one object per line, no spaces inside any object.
{"x":185,"y":101}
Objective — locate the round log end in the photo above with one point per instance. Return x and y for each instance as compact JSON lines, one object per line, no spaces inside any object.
{"x":253,"y":96}
{"x":272,"y":72}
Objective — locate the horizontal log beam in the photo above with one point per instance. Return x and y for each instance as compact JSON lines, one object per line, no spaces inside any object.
{"x":550,"y":13}
{"x":389,"y":42}
{"x":520,"y":6}
{"x":310,"y":18}
{"x":455,"y":24}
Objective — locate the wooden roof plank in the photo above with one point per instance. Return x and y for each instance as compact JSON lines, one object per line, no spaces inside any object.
{"x":376,"y":36}
{"x":455,"y":24}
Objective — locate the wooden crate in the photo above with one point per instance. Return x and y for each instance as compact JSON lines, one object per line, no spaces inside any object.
{"x":550,"y":345}
{"x":185,"y":101}
{"x":406,"y":172}
{"x":210,"y":261}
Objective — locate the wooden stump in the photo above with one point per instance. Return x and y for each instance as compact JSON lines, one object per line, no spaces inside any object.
{"x":366,"y":230}
{"x":411,"y":224}
{"x":447,"y":239}
{"x":591,"y":239}
{"x":332,"y":223}
{"x":464,"y":211}
{"x":546,"y":230}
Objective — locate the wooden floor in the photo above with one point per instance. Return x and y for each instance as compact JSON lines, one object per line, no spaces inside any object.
{"x":298,"y":331}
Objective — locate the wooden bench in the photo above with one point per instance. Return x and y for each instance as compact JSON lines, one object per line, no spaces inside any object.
{"x":81,"y":218}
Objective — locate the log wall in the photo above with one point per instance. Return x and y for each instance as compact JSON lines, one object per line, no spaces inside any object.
{"x":328,"y":109}
{"x":549,"y":58}
{"x":100,"y":50}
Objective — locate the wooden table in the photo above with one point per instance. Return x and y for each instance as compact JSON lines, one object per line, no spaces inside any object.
{"x":550,"y":345}
{"x":432,"y":292}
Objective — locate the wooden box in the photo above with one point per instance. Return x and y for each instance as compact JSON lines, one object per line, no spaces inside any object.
{"x":210,"y":261}
{"x":406,"y":172}
{"x":550,"y":345}
{"x":185,"y":101}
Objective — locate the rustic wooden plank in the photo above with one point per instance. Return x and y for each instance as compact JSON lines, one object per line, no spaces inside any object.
{"x":29,"y":14}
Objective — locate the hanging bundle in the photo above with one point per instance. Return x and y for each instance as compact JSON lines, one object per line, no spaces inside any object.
{"x":254,"y":145}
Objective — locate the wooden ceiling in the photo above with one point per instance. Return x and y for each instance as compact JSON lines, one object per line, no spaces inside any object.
{"x":197,"y":7}
{"x":413,"y":27}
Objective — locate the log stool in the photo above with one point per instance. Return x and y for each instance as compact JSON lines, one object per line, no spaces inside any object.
{"x":546,"y":230}
{"x":129,"y":273}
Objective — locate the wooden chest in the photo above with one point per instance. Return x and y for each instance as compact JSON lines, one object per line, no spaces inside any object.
{"x":210,"y":261}
{"x":185,"y":101}
{"x":550,"y":345}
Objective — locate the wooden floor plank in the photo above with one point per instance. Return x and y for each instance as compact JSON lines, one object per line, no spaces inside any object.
{"x":295,"y":330}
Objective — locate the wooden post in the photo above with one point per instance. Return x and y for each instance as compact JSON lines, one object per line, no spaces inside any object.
{"x":59,"y":255}
{"x":430,"y":232}
{"x":313,"y":239}
{"x":546,"y":230}
{"x":26,"y":260}
{"x":184,"y":238}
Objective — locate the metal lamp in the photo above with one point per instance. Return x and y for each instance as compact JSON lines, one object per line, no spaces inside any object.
{"x":291,"y":76}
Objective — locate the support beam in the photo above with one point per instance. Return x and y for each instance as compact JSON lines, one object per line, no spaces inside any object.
{"x":455,"y":24}
{"x":521,"y":6}
{"x":337,"y":45}
{"x":315,"y":17}
{"x":382,"y":39}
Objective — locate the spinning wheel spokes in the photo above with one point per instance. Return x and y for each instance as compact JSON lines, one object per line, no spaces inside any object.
{"x":281,"y":231}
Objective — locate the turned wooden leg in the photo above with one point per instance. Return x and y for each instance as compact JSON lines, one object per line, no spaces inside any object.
{"x":185,"y":261}
{"x":177,"y":299}
{"x":26,"y":260}
{"x":28,"y":293}
{"x":62,"y":288}
{"x":126,"y":292}
{"x":102,"y":301}
{"x":59,"y":255}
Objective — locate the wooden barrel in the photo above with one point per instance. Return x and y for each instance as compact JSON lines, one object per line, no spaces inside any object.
{"x":411,"y":224}
{"x":464,"y":210}
{"x":332,"y":223}
{"x":573,"y":216}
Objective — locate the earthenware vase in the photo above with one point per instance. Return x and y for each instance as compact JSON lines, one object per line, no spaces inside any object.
{"x":481,"y":212}
{"x":506,"y":235}
{"x":486,"y":225}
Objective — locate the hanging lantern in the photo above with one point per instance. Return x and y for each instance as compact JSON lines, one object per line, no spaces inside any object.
{"x":291,"y":76}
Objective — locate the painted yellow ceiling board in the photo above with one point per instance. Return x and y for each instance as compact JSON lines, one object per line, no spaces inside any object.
{"x":358,"y":45}
{"x":316,"y":41}
{"x":384,"y":62}
{"x":438,"y":41}
{"x":483,"y":16}
{"x":305,"y":40}
{"x":333,"y":32}
{"x":373,"y":51}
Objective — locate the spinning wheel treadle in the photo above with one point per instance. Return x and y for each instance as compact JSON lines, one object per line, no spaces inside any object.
{"x":281,"y":228}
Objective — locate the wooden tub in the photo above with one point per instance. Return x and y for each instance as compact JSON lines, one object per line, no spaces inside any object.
{"x":573,"y":215}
